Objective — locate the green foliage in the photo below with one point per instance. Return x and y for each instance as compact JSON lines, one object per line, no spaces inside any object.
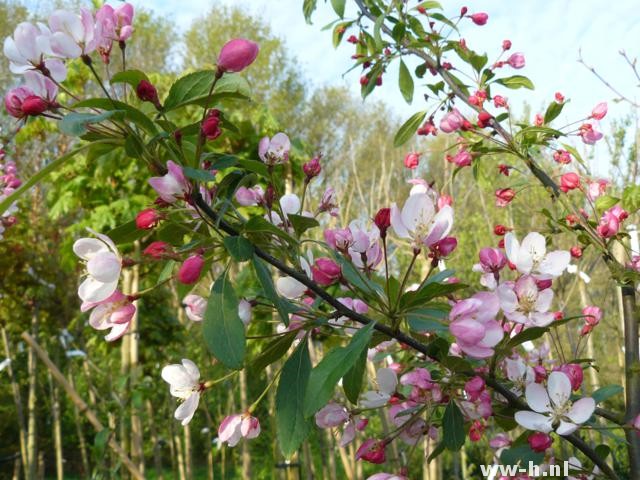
{"x":453,"y":427}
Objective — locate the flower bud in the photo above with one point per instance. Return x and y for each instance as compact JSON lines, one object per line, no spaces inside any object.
{"x":148,"y":93}
{"x":562,"y":157}
{"x":190,"y":269}
{"x":636,"y":423}
{"x":158,"y":250}
{"x":412,"y":160}
{"x":474,"y":387}
{"x":312,"y":168}
{"x":569,"y":181}
{"x":574,"y":372}
{"x":492,"y":259}
{"x":592,"y":314}
{"x":576,"y":251}
{"x":506,"y":44}
{"x":504,"y":196}
{"x":539,"y":442}
{"x":34,"y":106}
{"x":475,"y":431}
{"x":516,"y":60}
{"x":479,"y":18}
{"x":500,"y":230}
{"x":452,"y":121}
{"x":372,"y":451}
{"x":325,"y":271}
{"x":599,"y":111}
{"x":383,"y":221}
{"x":211,"y":125}
{"x":237,"y":54}
{"x":147,"y":219}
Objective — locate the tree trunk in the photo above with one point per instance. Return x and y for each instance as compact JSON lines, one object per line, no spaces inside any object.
{"x":125,"y":362}
{"x":246,"y":455}
{"x":179,"y":456}
{"x":32,"y":435}
{"x":86,"y":468}
{"x":188,"y":463}
{"x":157,"y":454}
{"x":632,"y":373}
{"x":15,"y":388}
{"x":57,"y":430}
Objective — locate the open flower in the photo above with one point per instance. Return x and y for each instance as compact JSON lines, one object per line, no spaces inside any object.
{"x":531,"y":257}
{"x":473,"y":323}
{"x":291,"y":288}
{"x":235,"y":427}
{"x":72,"y":35}
{"x":274,"y":150}
{"x":552,"y":409}
{"x":419,"y":221}
{"x":387,"y":381}
{"x":184,"y":383}
{"x":113,"y":313}
{"x":523,"y":302}
{"x":103,"y":267}
{"x":171,"y":186}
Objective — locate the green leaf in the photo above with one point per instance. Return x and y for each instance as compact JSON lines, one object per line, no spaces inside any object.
{"x":100,"y":442}
{"x":428,"y":292}
{"x":353,"y":379}
{"x":194,"y":88}
{"x":264,"y":277}
{"x":338,"y":32}
{"x":308,"y":7}
{"x":405,"y":81}
{"x":274,"y":351}
{"x":239,"y":247}
{"x":258,"y":225}
{"x":75,"y":124}
{"x":198,"y":174}
{"x":127,"y":111}
{"x":453,"y":427}
{"x":515,"y":82}
{"x":631,"y":198}
{"x":429,"y":320}
{"x":477,"y":61}
{"x":125,"y":233}
{"x":132,"y":77}
{"x":430,"y":5}
{"x":527,"y":335}
{"x":292,"y":426}
{"x":603,"y":450}
{"x":222,"y":328}
{"x":605,"y":202}
{"x":606,"y":392}
{"x":332,"y":368}
{"x":436,"y":452}
{"x":338,"y":7}
{"x":520,"y":455}
{"x":553,"y":110}
{"x":44,"y":173}
{"x":408,"y":129}
{"x":301,"y":223}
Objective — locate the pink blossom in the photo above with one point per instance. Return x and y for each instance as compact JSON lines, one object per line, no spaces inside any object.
{"x":574,"y":372}
{"x":504,"y":196}
{"x":412,"y":160}
{"x":589,"y":134}
{"x":325,"y":271}
{"x":372,"y":451}
{"x":539,"y":442}
{"x":419,"y":221}
{"x":523,"y":302}
{"x":596,"y":189}
{"x":474,"y":387}
{"x":569,"y":181}
{"x":171,"y":186}
{"x":332,"y":415}
{"x":237,"y":54}
{"x":599,"y":111}
{"x":451,"y":121}
{"x":275,"y":150}
{"x":592,"y":314}
{"x":184,"y":383}
{"x":473,"y":323}
{"x":418,"y":377}
{"x":479,"y":18}
{"x":235,"y":427}
{"x":462,"y":159}
{"x":190,"y":269}
{"x":562,"y":156}
{"x":412,"y":429}
{"x":516,"y":60}
{"x":195,"y":306}
{"x":250,"y":196}
{"x":501,"y":440}
{"x":329,"y":202}
{"x":609,"y":224}
{"x":72,"y":35}
{"x":115,"y":313}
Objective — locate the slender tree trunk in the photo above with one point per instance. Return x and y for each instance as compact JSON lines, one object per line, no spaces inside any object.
{"x":86,"y":468}
{"x":180,"y":457}
{"x":188,"y":457}
{"x":137,"y":454}
{"x":209,"y":441}
{"x":246,"y":454}
{"x":15,"y":389}
{"x":57,"y":430}
{"x":32,"y":446}
{"x":632,"y":373}
{"x":157,"y":454}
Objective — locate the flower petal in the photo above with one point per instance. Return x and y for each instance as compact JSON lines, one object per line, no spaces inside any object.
{"x":186,"y":410}
{"x":92,"y":290}
{"x":554,"y":263}
{"x":582,"y":410}
{"x":387,"y":380}
{"x":533,"y":421}
{"x":566,"y":428}
{"x":85,"y":248}
{"x":537,"y":398}
{"x":559,"y":387}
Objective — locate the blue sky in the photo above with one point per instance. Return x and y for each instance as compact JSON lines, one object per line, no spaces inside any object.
{"x":549,"y":33}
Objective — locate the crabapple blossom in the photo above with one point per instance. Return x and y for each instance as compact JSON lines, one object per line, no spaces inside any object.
{"x":147,"y":219}
{"x":504,"y":196}
{"x":158,"y":250}
{"x":250,"y":196}
{"x":589,"y":134}
{"x":599,"y":111}
{"x":331,"y":415}
{"x":273,"y":151}
{"x":419,"y":221}
{"x":387,"y":381}
{"x":516,"y":60}
{"x":382,"y":220}
{"x":210,"y":128}
{"x":569,"y":181}
{"x":524,"y":302}
{"x":596,"y":189}
{"x":562,"y":156}
{"x":574,"y":372}
{"x":492,"y":260}
{"x":452,"y":121}
{"x":412,"y":160}
{"x":539,"y":442}
{"x":531,"y":257}
{"x":412,"y":429}
{"x":184,"y":383}
{"x":325,"y":271}
{"x":312,"y":168}
{"x":113,"y":313}
{"x":194,"y":307}
{"x":103,"y":265}
{"x":190,"y":269}
{"x":592,"y":314}
{"x":552,"y":408}
{"x":244,"y":311}
{"x":171,"y":186}
{"x":72,"y":35}
{"x":329,"y":202}
{"x":519,"y":373}
{"x":237,"y":54}
{"x":386,"y":476}
{"x":479,"y":18}
{"x":473,"y":323}
{"x":291,"y":288}
{"x":113,"y":25}
{"x":235,"y":427}
{"x":372,"y":451}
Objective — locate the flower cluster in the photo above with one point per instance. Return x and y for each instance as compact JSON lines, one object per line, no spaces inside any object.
{"x":9,"y":182}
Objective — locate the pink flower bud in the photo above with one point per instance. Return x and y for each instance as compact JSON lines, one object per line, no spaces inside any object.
{"x":592,"y":314}
{"x":506,"y":44}
{"x":504,"y":196}
{"x":325,"y":271}
{"x":190,"y":269}
{"x":452,"y":121}
{"x":158,"y":250}
{"x":443,"y":201}
{"x":312,"y":168}
{"x":383,"y":221}
{"x":539,"y":442}
{"x":412,"y":160}
{"x":237,"y":54}
{"x":372,"y":451}
{"x":476,"y":430}
{"x":492,"y":259}
{"x":569,"y":181}
{"x":599,"y":111}
{"x":34,"y":106}
{"x":540,"y":373}
{"x":575,"y":251}
{"x":14,"y":100}
{"x":516,"y":60}
{"x":443,"y":248}
{"x":474,"y":387}
{"x":574,"y":372}
{"x":148,"y":93}
{"x":479,"y":18}
{"x":211,"y":125}
{"x":562,"y":156}
{"x":147,"y":219}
